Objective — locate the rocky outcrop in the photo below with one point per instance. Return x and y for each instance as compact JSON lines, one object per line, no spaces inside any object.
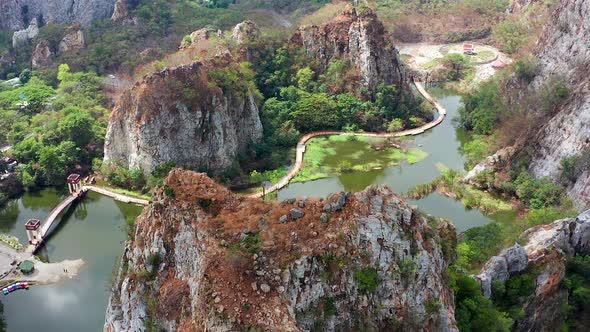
{"x":359,"y":38}
{"x":517,"y":6}
{"x":180,"y":115}
{"x":121,"y":12}
{"x":491,"y":163}
{"x":24,"y":36}
{"x":245,"y":32}
{"x":563,"y":56}
{"x":205,"y":259}
{"x":546,"y":249}
{"x":14,"y":14}
{"x":195,"y":38}
{"x":73,"y":39}
{"x":42,"y":55}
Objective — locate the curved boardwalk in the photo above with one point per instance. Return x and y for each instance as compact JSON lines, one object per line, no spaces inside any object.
{"x":442,"y":112}
{"x":116,"y":196}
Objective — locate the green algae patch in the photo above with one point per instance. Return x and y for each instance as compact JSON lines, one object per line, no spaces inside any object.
{"x":340,"y":154}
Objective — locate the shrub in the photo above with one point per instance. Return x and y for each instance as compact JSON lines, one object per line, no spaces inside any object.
{"x":367,"y":279}
{"x":526,"y":69}
{"x":169,"y":192}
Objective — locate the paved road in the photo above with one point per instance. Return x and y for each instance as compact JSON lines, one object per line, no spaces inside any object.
{"x":301,"y":145}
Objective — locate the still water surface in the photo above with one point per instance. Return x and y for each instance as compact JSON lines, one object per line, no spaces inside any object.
{"x":92,"y":230}
{"x":443,"y":145}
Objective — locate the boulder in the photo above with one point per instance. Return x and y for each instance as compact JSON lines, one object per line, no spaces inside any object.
{"x":42,"y":55}
{"x":24,"y":36}
{"x":73,"y":39}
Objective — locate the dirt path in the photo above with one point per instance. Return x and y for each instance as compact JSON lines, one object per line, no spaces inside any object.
{"x":301,"y":145}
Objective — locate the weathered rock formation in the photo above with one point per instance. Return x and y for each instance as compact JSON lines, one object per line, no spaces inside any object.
{"x":73,"y":39}
{"x":24,"y":36}
{"x":359,"y":38}
{"x":121,"y":12}
{"x":179,"y":115}
{"x":203,"y":258}
{"x":15,"y":14}
{"x":42,"y":55}
{"x":196,"y":37}
{"x":546,"y":250}
{"x":563,"y":54}
{"x":245,"y":32}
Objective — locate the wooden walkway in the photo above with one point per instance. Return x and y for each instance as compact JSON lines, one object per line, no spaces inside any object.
{"x":65,"y":204}
{"x":301,"y":145}
{"x":116,"y":196}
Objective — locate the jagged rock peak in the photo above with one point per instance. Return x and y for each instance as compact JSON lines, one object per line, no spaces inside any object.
{"x":42,"y":55}
{"x":359,"y":38}
{"x":23,"y":36}
{"x":245,"y":32}
{"x":73,"y":39}
{"x":177,"y":115}
{"x":227,"y":263}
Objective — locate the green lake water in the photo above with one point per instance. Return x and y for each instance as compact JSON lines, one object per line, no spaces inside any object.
{"x":93,"y":231}
{"x":442,"y":144}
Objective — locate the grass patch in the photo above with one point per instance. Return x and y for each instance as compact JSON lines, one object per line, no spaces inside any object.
{"x":340,"y":154}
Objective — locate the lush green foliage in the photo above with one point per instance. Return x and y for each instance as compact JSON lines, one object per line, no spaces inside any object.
{"x":577,"y":282}
{"x":483,"y":108}
{"x":537,"y":193}
{"x":367,"y":279}
{"x":51,"y":141}
{"x":473,"y":311}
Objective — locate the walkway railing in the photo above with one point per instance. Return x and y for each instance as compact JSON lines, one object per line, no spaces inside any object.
{"x":301,"y":145}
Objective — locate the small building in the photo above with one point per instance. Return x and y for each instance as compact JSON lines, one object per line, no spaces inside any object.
{"x":469,"y":49}
{"x":27,"y":267}
{"x":32,"y":227}
{"x":74,"y":183}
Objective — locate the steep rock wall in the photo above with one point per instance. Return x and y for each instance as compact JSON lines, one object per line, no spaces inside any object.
{"x":176,"y":115}
{"x":360,"y":38}
{"x":13,"y":13}
{"x":230,"y":263}
{"x":545,"y":250}
{"x":564,"y":53}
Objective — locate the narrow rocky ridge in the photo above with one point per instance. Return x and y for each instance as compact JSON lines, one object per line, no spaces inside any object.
{"x":228,"y":263}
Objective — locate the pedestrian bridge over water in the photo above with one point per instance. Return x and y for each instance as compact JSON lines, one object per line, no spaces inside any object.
{"x":37,"y":230}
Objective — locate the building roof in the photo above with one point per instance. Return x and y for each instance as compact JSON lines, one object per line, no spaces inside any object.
{"x":499,"y":64}
{"x":26,"y":266}
{"x":74,"y":178}
{"x":33,"y":224}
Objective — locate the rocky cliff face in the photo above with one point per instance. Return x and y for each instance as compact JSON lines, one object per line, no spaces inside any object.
{"x":360,"y":38}
{"x":14,"y":14}
{"x":546,"y":249}
{"x":205,"y":259}
{"x":177,"y":115}
{"x":564,"y":54}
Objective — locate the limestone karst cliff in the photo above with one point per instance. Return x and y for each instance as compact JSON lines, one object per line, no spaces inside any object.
{"x":545,"y":250}
{"x":203,"y":258}
{"x":179,"y":114}
{"x":15,"y":14}
{"x":359,"y":38}
{"x":564,"y":54}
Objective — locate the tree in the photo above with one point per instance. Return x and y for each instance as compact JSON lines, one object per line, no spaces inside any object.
{"x":77,"y":127}
{"x":456,"y":64}
{"x":25,"y":76}
{"x":52,"y":165}
{"x":315,"y":112}
{"x":305,"y":80}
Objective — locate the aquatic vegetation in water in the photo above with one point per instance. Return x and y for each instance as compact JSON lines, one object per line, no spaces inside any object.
{"x":340,"y":154}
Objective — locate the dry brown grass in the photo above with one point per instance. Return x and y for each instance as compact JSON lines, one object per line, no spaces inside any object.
{"x":324,"y":14}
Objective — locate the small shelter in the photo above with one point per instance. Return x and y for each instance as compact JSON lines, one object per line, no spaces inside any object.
{"x":33,"y":233}
{"x":27,"y":267}
{"x":74,"y":183}
{"x":469,"y":49}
